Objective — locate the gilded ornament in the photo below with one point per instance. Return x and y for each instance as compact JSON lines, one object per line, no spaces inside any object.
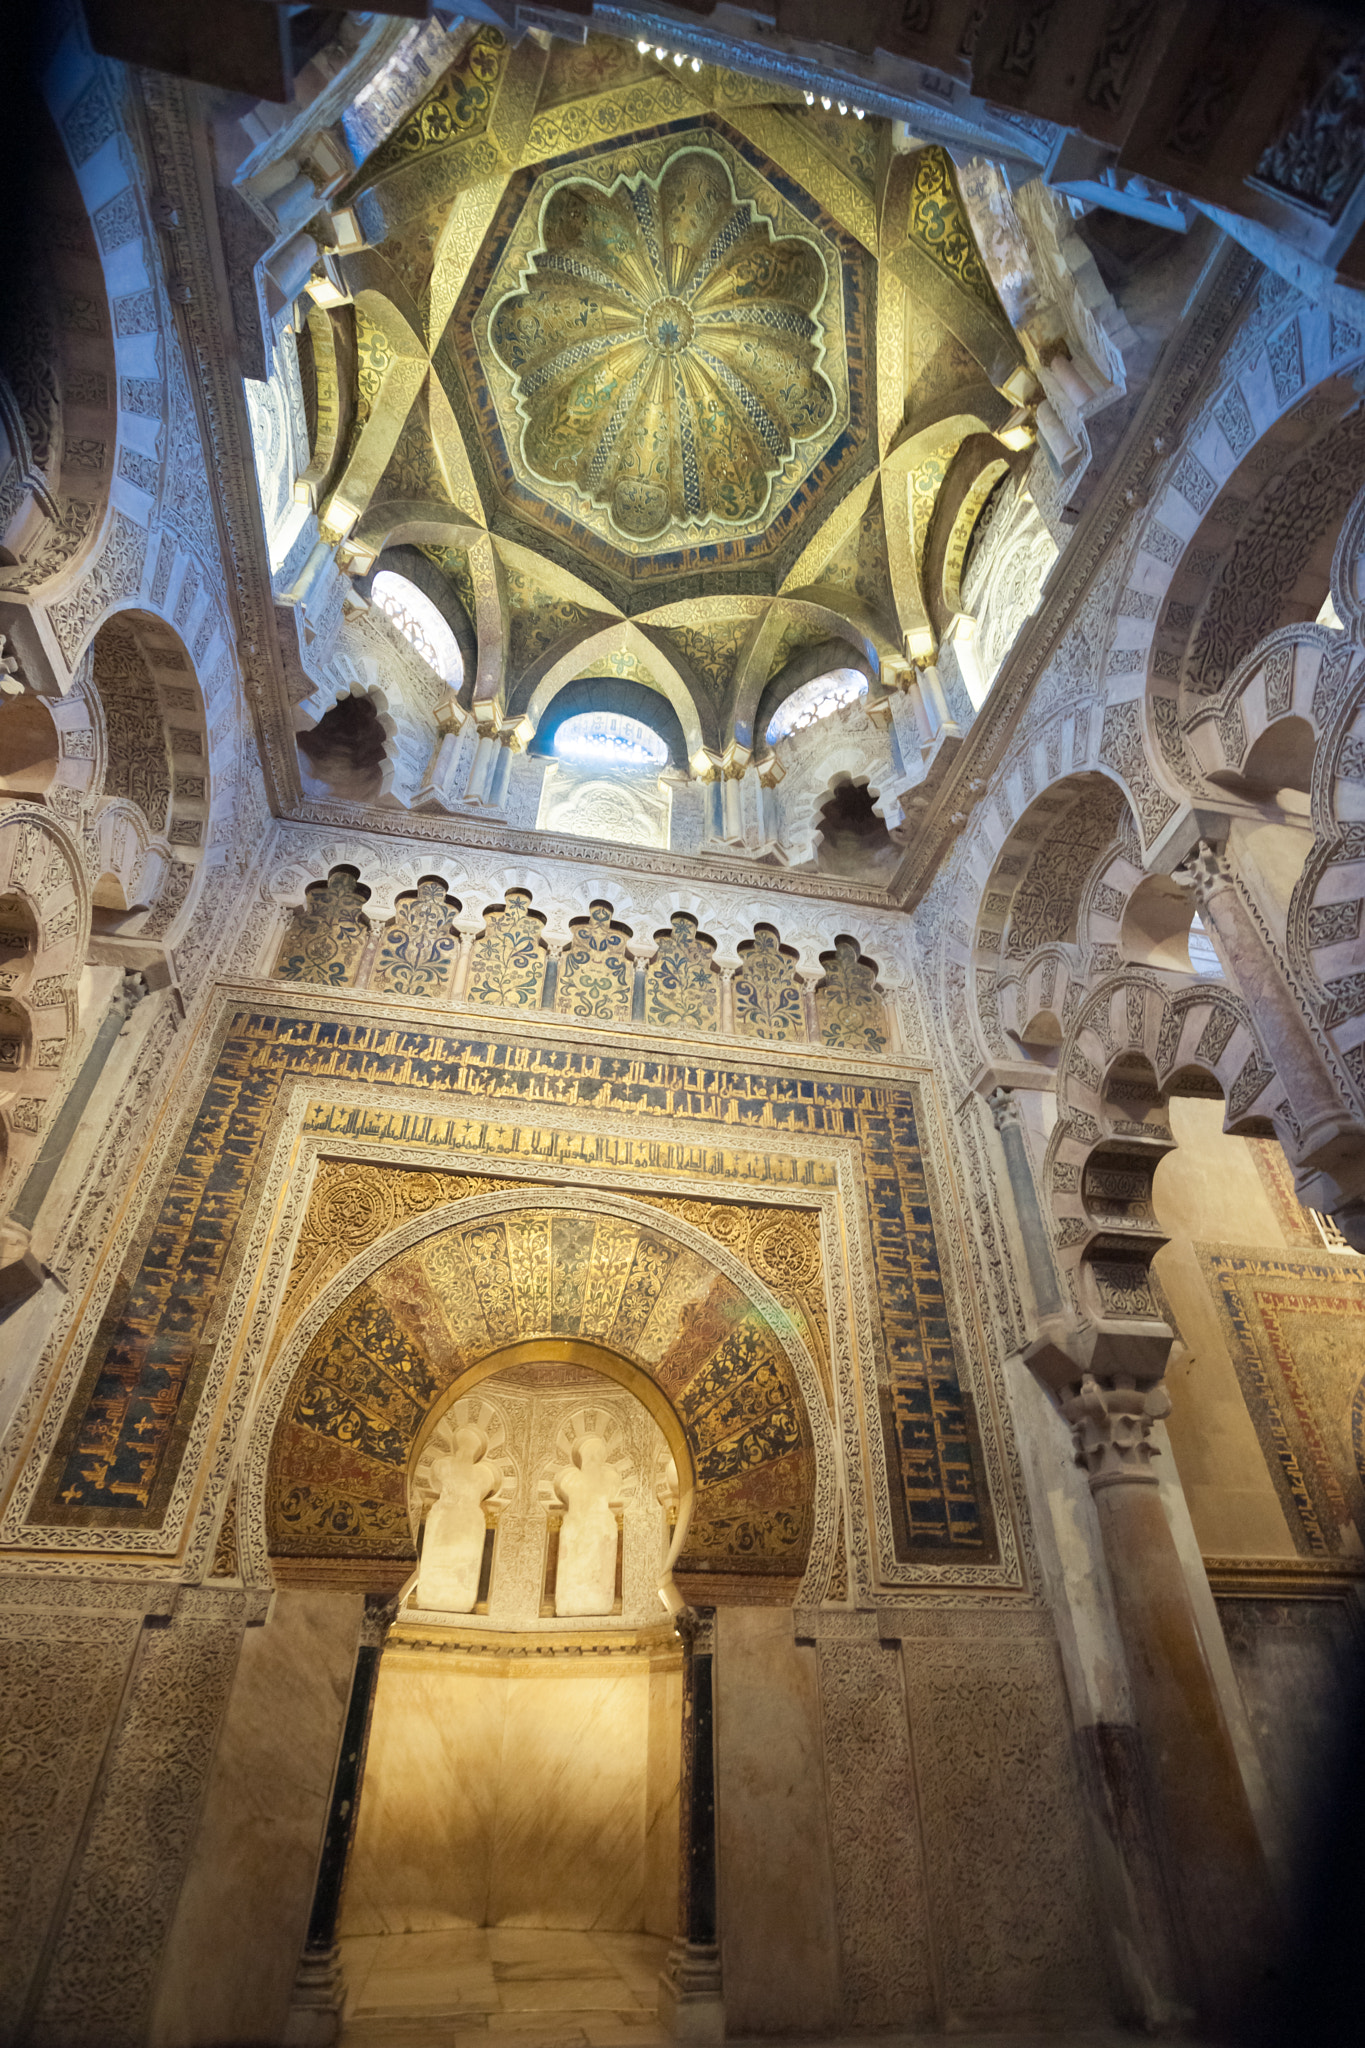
{"x":665,"y":349}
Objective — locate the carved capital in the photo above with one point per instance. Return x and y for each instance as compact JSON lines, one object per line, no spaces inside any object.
{"x":129,"y":993}
{"x":1204,"y":873}
{"x":1003,"y":1105}
{"x":1111,"y":1424}
{"x":695,"y":1626}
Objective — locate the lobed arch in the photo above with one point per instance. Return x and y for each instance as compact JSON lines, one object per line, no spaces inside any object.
{"x":1206,"y":577}
{"x":762,"y":1515}
{"x":407,"y":560}
{"x":622,"y":695}
{"x":1131,"y":1043}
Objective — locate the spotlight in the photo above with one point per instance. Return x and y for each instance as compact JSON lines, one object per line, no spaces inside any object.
{"x":660,"y":53}
{"x":643,"y":48}
{"x":810,"y":99}
{"x":696,"y":63}
{"x":677,"y":56}
{"x":857,"y":113}
{"x":843,"y":106}
{"x":825,"y":103}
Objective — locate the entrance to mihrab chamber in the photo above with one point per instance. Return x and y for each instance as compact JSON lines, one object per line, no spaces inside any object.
{"x":515,"y":1862}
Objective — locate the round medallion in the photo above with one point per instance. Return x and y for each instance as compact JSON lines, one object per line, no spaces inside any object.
{"x":669,"y":327}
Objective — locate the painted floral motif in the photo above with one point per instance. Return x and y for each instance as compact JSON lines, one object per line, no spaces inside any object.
{"x":681,"y":986}
{"x":767,"y":993}
{"x":852,"y":1015}
{"x":419,"y":946}
{"x":666,"y":348}
{"x":324,"y":942}
{"x":508,"y":965}
{"x":596,"y":974}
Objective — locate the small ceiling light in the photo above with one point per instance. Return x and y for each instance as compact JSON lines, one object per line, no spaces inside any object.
{"x":677,"y":56}
{"x":696,"y":63}
{"x":660,"y":52}
{"x":843,"y":106}
{"x":858,"y":113}
{"x":643,"y":47}
{"x":825,"y":103}
{"x":810,"y":99}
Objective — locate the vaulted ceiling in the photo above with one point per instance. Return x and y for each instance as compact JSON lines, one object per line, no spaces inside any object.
{"x":617,"y":340}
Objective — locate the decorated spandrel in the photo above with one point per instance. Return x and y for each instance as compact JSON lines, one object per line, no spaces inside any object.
{"x":682,"y":991}
{"x":851,"y":1014}
{"x":324,"y":942}
{"x":596,"y":974}
{"x":418,"y":953}
{"x":508,"y":965}
{"x":766,"y":991}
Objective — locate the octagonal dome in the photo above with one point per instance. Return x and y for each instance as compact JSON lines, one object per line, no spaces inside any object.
{"x":663,"y":335}
{"x":665,"y":349}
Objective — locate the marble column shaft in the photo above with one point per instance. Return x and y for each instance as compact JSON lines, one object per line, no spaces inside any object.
{"x":1218,"y":1870}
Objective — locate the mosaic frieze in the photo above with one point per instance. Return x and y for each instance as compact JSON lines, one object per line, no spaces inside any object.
{"x":324,"y":941}
{"x":418,"y":953}
{"x":119,"y":1450}
{"x":852,"y":1015}
{"x":1294,"y":1326}
{"x":767,"y":994}
{"x":596,"y":974}
{"x":682,"y":989}
{"x":509,"y":957}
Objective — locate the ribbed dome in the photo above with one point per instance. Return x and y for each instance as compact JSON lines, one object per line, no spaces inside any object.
{"x":666,"y":349}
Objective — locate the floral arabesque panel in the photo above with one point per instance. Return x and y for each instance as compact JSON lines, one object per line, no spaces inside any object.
{"x":766,"y":991}
{"x":682,"y":989}
{"x":851,"y":1014}
{"x":324,"y":943}
{"x":596,"y":974}
{"x":418,"y":953}
{"x":509,"y":960}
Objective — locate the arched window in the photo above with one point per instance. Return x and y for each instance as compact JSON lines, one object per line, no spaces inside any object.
{"x":420,"y":623}
{"x":815,"y":700}
{"x":608,"y":739}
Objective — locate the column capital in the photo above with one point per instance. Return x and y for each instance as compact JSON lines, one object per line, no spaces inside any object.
{"x":1204,"y":872}
{"x":1111,"y":1426}
{"x":1003,"y":1105}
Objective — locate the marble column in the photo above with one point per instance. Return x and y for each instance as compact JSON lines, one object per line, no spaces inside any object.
{"x":690,"y":1989}
{"x":319,"y":1991}
{"x":1217,"y":1867}
{"x":1329,"y":1171}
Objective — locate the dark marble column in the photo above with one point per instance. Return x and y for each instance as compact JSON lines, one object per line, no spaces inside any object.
{"x":690,"y":1989}
{"x":319,"y":1991}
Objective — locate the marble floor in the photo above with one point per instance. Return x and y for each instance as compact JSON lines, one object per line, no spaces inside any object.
{"x":543,"y":1988}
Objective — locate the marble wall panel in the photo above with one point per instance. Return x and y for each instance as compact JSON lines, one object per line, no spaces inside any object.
{"x":243,"y":1910}
{"x":423,"y":1845}
{"x":501,"y":1792}
{"x":1005,"y":1856}
{"x":569,"y":1845}
{"x":779,"y":1936}
{"x":661,"y":1798}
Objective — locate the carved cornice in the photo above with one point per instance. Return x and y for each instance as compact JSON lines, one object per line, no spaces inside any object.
{"x":635,"y":860}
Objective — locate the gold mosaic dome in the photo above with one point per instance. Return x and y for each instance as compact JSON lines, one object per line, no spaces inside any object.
{"x":665,"y":349}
